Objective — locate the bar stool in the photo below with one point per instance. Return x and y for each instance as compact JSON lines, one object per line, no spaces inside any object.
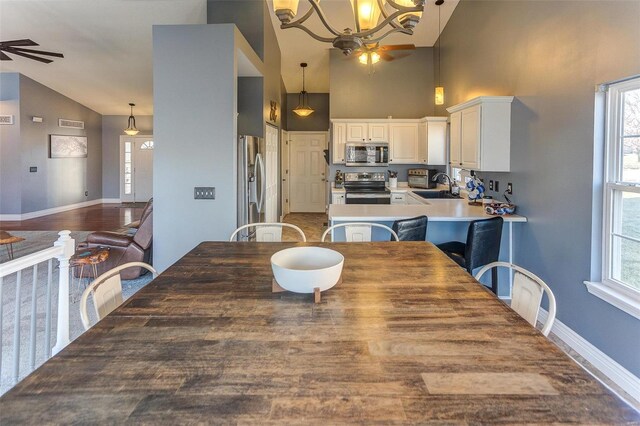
{"x":413,"y":229}
{"x":482,"y":247}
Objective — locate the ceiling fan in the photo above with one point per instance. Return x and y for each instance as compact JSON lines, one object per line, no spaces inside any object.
{"x":16,"y":47}
{"x":370,"y":54}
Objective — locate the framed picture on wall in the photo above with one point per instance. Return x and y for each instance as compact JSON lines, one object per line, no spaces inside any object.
{"x":61,"y":146}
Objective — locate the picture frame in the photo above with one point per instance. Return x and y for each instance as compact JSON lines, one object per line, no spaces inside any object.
{"x":65,"y":146}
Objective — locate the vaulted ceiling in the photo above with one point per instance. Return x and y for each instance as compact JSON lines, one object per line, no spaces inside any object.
{"x":107,"y":45}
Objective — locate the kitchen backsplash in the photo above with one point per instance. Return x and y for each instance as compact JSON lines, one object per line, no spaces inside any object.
{"x":400,"y":168}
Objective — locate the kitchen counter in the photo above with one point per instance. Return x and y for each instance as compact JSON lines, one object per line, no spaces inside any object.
{"x":435,"y":209}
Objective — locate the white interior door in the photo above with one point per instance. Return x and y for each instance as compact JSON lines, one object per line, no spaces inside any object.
{"x":307,"y":172}
{"x":271,"y":176}
{"x":136,"y":168}
{"x":284,"y":172}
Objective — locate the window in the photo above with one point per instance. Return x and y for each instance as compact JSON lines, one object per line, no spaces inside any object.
{"x":147,"y":145}
{"x":128,"y":168}
{"x":621,"y":210}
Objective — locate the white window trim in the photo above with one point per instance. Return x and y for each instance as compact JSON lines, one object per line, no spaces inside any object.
{"x":610,"y":290}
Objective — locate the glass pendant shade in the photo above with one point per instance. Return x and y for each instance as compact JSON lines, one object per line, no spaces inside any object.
{"x":364,"y":58}
{"x":407,"y":3}
{"x":439,"y":95}
{"x":288,"y":8}
{"x":131,"y":129}
{"x":368,"y":13}
{"x":303,"y":109}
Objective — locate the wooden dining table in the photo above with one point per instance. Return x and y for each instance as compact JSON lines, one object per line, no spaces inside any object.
{"x":406,"y":337}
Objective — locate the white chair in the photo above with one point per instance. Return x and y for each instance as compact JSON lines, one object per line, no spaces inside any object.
{"x":527,"y":294}
{"x":107,"y":292}
{"x":268,"y":232}
{"x":358,"y":232}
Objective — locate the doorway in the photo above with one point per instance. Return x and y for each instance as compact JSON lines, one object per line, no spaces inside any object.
{"x":136,"y":168}
{"x":307,"y":168}
{"x":271,"y":177}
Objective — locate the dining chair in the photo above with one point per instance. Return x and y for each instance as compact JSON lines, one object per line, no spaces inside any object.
{"x":482,"y":247}
{"x":359,"y":232}
{"x":107,"y":292}
{"x":268,"y":232}
{"x":412,"y":229}
{"x":527,"y":293}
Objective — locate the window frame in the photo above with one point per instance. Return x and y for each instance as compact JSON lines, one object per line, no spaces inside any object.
{"x":610,"y":289}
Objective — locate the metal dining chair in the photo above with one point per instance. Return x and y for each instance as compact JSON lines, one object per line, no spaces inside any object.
{"x":107,"y":292}
{"x":359,"y":232}
{"x":527,"y":293}
{"x":412,"y":229}
{"x":268,"y":232}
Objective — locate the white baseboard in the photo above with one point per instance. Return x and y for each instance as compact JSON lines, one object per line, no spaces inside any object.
{"x":614,"y":371}
{"x":46,"y":212}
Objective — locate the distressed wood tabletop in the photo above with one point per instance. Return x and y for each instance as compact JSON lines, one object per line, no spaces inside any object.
{"x":407,"y":337}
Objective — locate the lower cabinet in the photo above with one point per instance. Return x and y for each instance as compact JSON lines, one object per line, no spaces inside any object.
{"x":337,"y":198}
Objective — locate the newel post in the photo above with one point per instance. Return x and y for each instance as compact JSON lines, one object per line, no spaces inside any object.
{"x":62,"y":330}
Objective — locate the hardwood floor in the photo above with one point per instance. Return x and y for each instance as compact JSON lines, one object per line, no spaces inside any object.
{"x":101,"y":217}
{"x":312,"y":224}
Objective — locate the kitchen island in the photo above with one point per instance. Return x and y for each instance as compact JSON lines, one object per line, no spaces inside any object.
{"x":448,"y":221}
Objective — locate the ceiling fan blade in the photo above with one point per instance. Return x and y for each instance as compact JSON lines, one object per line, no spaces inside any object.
{"x":23,"y":42}
{"x":39,"y":52}
{"x":386,"y":57}
{"x":26,"y":55}
{"x":4,"y":57}
{"x":398,"y":47}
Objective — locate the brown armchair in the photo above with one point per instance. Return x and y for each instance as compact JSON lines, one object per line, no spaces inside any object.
{"x":124,"y":248}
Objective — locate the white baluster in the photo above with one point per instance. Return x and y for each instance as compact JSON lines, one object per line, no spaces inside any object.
{"x":16,"y":330}
{"x":34,"y":313}
{"x":62,"y":331}
{"x":47,"y":327}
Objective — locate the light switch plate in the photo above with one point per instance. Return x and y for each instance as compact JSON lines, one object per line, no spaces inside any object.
{"x":204,"y":193}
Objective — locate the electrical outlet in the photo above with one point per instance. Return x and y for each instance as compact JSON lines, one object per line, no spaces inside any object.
{"x":86,"y":193}
{"x":509,"y":188}
{"x":33,"y":169}
{"x":204,"y":193}
{"x":497,"y":186}
{"x":491,"y":185}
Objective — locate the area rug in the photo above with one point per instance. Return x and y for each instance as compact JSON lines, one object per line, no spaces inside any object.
{"x":35,"y":241}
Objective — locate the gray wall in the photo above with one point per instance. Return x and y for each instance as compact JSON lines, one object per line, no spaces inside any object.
{"x":112,"y":129}
{"x":58,"y":181}
{"x":194,"y":124}
{"x":550,"y":55}
{"x":318,"y":121}
{"x":402,"y":88}
{"x":10,"y":166}
{"x":247,"y":15}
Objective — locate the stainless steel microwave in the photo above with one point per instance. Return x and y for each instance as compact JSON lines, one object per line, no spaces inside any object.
{"x":373,"y":154}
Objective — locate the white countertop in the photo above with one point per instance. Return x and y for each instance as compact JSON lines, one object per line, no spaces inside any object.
{"x":436,"y":209}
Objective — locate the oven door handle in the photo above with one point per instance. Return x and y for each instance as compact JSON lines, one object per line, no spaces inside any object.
{"x":348,"y":195}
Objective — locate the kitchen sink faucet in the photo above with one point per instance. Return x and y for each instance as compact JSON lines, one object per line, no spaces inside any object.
{"x":435,"y":178}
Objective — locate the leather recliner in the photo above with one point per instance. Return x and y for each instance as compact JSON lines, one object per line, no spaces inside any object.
{"x":124,"y":248}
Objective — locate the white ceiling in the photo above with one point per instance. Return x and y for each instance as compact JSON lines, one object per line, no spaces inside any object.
{"x":106,"y":43}
{"x":297,"y":46}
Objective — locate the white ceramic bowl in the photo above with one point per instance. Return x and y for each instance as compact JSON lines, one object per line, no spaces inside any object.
{"x":301,"y":269}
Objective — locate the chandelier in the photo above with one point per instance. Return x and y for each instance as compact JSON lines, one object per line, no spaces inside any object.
{"x":398,"y":16}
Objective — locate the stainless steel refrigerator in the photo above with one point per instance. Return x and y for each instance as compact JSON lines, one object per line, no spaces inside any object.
{"x":251,"y":183}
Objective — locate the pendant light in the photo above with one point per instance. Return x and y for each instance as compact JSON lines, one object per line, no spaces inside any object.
{"x":303,"y":109}
{"x":131,"y":129}
{"x":439,"y":94}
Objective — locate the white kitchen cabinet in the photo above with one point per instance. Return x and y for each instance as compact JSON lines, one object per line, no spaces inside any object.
{"x":338,"y":142}
{"x":357,"y":132}
{"x":362,"y":131}
{"x":398,"y":197}
{"x":337,"y":198}
{"x":403,"y":143}
{"x":481,"y":134}
{"x":432,"y":136}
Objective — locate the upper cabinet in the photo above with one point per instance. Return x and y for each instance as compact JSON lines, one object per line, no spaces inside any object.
{"x":338,"y":142}
{"x":367,"y":132}
{"x":481,"y":134}
{"x":411,"y":141}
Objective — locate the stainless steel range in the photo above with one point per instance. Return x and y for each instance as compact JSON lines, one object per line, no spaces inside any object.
{"x":366,"y":188}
